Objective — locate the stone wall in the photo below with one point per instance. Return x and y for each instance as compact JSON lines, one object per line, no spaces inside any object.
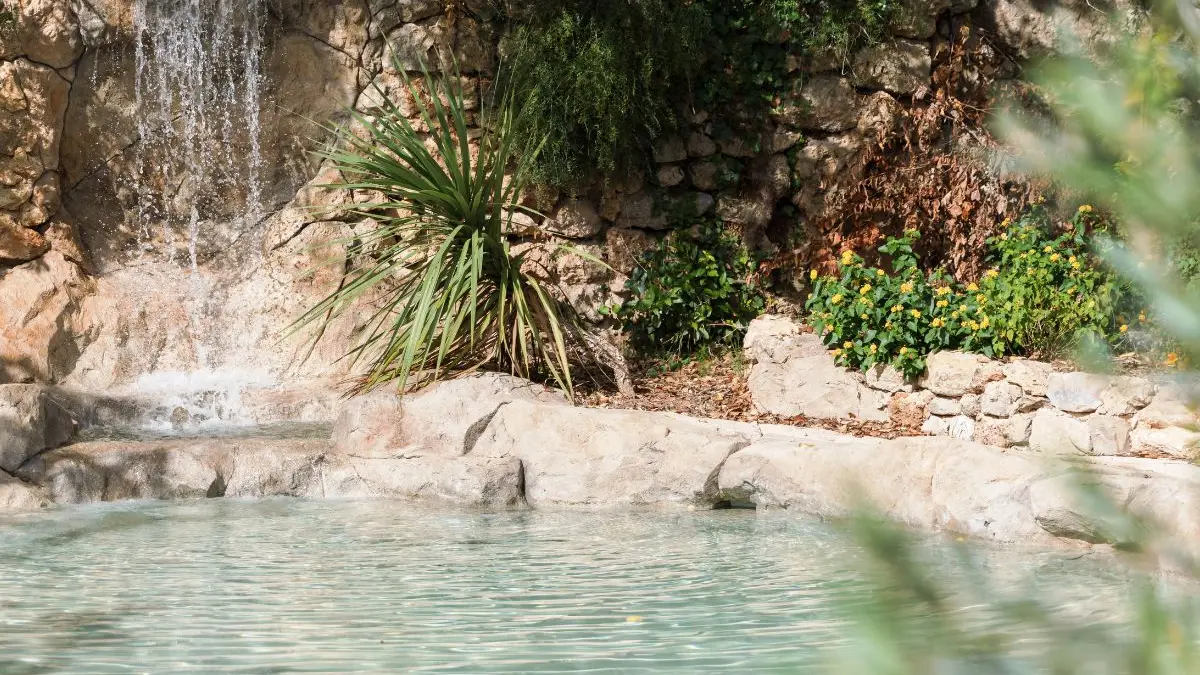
{"x":1017,"y":403}
{"x":95,"y":292}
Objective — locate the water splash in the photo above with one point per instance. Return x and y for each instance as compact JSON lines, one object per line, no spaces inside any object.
{"x":198,"y":85}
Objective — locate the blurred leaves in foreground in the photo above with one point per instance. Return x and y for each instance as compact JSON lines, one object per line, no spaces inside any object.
{"x":1123,"y":130}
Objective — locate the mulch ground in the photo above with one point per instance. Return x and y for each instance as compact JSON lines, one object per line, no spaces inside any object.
{"x":717,"y":388}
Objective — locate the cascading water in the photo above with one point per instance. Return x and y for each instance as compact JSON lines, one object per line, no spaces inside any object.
{"x":199,"y":89}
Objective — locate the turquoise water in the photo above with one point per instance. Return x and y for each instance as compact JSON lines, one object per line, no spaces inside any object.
{"x":286,"y":586}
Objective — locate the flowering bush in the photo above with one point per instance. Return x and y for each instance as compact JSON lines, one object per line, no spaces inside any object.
{"x":1044,"y":292}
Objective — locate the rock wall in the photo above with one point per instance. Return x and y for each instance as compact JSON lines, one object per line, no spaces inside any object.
{"x":1009,"y":404}
{"x":95,"y":286}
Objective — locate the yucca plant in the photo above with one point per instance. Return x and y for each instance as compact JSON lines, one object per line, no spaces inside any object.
{"x":451,"y":297}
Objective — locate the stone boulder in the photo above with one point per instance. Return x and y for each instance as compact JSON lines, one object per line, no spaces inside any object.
{"x":17,"y":496}
{"x":611,"y":458}
{"x":953,"y":374}
{"x":1056,"y":433}
{"x":901,"y":67}
{"x":31,"y":421}
{"x":824,"y":103}
{"x":1031,"y":376}
{"x":183,"y":469}
{"x":445,"y":419}
{"x":933,"y":483}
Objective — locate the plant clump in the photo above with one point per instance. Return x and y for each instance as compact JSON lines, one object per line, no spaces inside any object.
{"x":1045,"y":293}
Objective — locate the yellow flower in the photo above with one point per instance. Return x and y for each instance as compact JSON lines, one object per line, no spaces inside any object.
{"x":944,"y":290}
{"x":1024,"y":256}
{"x":981,"y":299}
{"x":812,"y":275}
{"x":1047,"y":249}
{"x":972,"y":287}
{"x":888,"y":325}
{"x":1086,"y":208}
{"x":1124,"y":328}
{"x":880,"y":273}
{"x":897,"y":308}
{"x":937,"y":323}
{"x":1029,"y":272}
{"x":943,"y":303}
{"x":1071,"y":259}
{"x":985,"y":322}
{"x":847,"y":256}
{"x":1054,"y":258}
{"x":992,"y":274}
{"x":865,"y":289}
{"x":916,"y":313}
{"x":847,"y":344}
{"x":1142,"y":317}
{"x":906,"y":287}
{"x":863,"y":317}
{"x":836,"y":300}
{"x":835,"y":353}
{"x":903,"y":351}
{"x":1005,"y":222}
{"x":1004,"y":236}
{"x":874,"y":348}
{"x":1171,"y":360}
{"x":954,"y":314}
{"x":1075,"y":265}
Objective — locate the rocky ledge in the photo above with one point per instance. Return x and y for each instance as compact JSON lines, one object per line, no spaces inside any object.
{"x":492,"y":441}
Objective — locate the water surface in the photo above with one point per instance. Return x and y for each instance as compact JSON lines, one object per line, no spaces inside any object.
{"x":289,"y":586}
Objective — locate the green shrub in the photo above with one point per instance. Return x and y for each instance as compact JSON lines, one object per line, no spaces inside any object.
{"x":1044,"y":294}
{"x":449,"y":295}
{"x":604,"y":78}
{"x":1047,"y":290}
{"x":697,"y":289}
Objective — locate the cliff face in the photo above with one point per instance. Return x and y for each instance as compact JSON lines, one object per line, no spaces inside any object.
{"x":157,"y":182}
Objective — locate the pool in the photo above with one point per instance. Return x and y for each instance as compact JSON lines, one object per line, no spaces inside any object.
{"x":292,"y":586}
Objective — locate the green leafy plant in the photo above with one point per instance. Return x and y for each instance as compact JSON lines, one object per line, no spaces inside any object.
{"x":1047,"y":291}
{"x":870,"y":316}
{"x":450,"y":295}
{"x":699,"y":288}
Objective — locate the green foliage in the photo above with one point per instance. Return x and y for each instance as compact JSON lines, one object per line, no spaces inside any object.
{"x":602,"y":79}
{"x":697,"y":289}
{"x":450,"y":296}
{"x":869,"y":316}
{"x":1046,"y":292}
{"x":600,"y":90}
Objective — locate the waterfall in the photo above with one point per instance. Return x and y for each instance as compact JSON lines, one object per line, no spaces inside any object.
{"x":198,"y":88}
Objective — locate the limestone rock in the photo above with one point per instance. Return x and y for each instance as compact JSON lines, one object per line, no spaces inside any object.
{"x":637,"y":210}
{"x":824,"y":103}
{"x":46,"y":32}
{"x":794,"y":375}
{"x":879,"y":117}
{"x":933,"y":483}
{"x":901,"y":67}
{"x":825,"y":165}
{"x":31,"y":421}
{"x":909,"y":410}
{"x":1030,"y":29}
{"x":917,"y":19}
{"x":748,"y":208}
{"x":888,"y":379}
{"x":953,"y":374}
{"x":19,"y":244}
{"x":703,"y":175}
{"x":43,"y":325}
{"x":1181,"y":442}
{"x":936,"y":426}
{"x":1057,"y":433}
{"x":1108,"y":435}
{"x":1003,"y":433}
{"x":18,"y":496}
{"x":670,"y":175}
{"x":442,"y":419}
{"x":624,"y":248}
{"x":669,"y":150}
{"x":1166,"y":411}
{"x":970,"y":405}
{"x":945,"y":407}
{"x":1030,"y":376}
{"x":961,"y":427}
{"x":1000,"y":399}
{"x":700,"y":145}
{"x":606,"y":458}
{"x":1076,"y":392}
{"x":1125,"y":396}
{"x":577,"y":219}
